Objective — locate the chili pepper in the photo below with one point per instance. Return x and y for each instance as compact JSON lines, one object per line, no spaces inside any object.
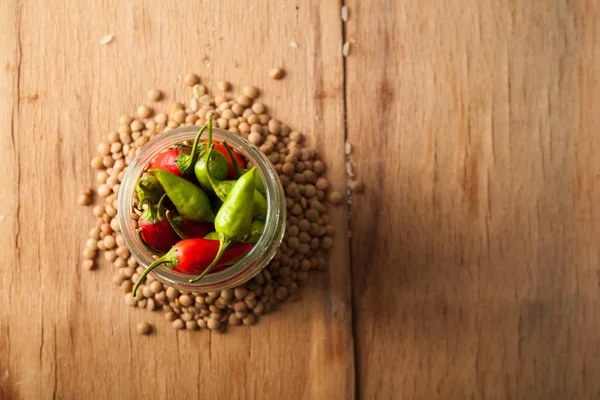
{"x":212,"y":236}
{"x":189,"y":200}
{"x":166,"y":161}
{"x":217,"y":164}
{"x":256,"y":229}
{"x":222,"y":189}
{"x":154,"y":229}
{"x":180,"y":160}
{"x":147,"y":246}
{"x":185,"y":229}
{"x":194,"y":229}
{"x":260,"y":206}
{"x":232,"y":158}
{"x":234,"y":218}
{"x":193,"y":256}
{"x":260,"y":186}
{"x":149,"y":187}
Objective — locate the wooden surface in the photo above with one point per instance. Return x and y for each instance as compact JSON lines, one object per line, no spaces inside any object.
{"x":472,"y":269}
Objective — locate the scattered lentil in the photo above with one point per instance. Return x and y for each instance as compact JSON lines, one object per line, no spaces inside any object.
{"x":143,"y":111}
{"x":178,"y":324}
{"x":336,"y":198}
{"x":84,"y":199}
{"x":198,"y":91}
{"x":190,"y":79}
{"x":357,"y":186}
{"x":144,"y":328}
{"x":154,"y":94}
{"x":224,"y":86}
{"x":250,"y":91}
{"x":276,"y":73}
{"x":88,"y":264}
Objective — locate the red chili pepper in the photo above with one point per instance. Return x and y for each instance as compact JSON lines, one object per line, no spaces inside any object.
{"x":155,"y":230}
{"x":179,"y":161}
{"x":159,"y":235}
{"x":192,"y":256}
{"x":186,"y":229}
{"x":231,"y":173}
{"x":167,"y":161}
{"x":196,"y":229}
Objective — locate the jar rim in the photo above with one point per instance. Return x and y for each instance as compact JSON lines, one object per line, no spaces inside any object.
{"x":251,"y":263}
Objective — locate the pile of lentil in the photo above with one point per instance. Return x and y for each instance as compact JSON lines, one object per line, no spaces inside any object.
{"x":309,"y":231}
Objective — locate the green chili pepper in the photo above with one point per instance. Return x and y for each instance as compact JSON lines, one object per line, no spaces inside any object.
{"x":189,"y":200}
{"x":256,"y":229}
{"x":234,"y":219}
{"x":149,"y":187}
{"x":260,"y":206}
{"x":222,"y":189}
{"x":260,"y":186}
{"x":212,"y":235}
{"x":218,"y":163}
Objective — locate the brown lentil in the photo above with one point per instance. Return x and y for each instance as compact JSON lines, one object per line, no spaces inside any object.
{"x":190,"y":79}
{"x":154,"y":94}
{"x":84,"y":199}
{"x":276,"y":73}
{"x":336,"y":198}
{"x":144,"y":328}
{"x":224,"y":86}
{"x":357,"y":186}
{"x":178,"y":324}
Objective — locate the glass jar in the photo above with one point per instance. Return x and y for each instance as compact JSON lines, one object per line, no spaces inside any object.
{"x":249,"y":265}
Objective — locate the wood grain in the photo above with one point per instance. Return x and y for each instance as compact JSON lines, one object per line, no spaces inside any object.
{"x":66,"y":333}
{"x":474,"y":250}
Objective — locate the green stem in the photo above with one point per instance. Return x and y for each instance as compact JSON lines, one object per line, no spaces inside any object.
{"x":159,"y":207}
{"x":178,"y":231}
{"x":185,"y":161}
{"x":195,"y":146}
{"x":156,"y":263}
{"x":149,"y":207}
{"x":210,"y":126}
{"x":143,"y":188}
{"x":217,"y":190}
{"x":147,"y":246}
{"x":223,"y":245}
{"x":238,"y":170}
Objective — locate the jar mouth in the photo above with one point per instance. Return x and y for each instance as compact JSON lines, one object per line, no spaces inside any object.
{"x":251,"y":263}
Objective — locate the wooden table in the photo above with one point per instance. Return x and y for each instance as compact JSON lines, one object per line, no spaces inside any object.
{"x":472,"y":268}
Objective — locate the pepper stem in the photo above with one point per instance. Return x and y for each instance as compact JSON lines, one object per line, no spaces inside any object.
{"x":143,"y":188}
{"x":195,"y":146}
{"x":169,"y":257}
{"x":185,"y":161}
{"x":224,"y":243}
{"x":149,"y":207}
{"x":159,"y":207}
{"x":210,"y":126}
{"x":147,"y":246}
{"x":217,"y":190}
{"x":238,"y":170}
{"x":178,"y":231}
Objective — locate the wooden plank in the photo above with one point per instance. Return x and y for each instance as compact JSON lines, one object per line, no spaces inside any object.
{"x":474,"y":250}
{"x":66,"y":333}
{"x":9,"y":199}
